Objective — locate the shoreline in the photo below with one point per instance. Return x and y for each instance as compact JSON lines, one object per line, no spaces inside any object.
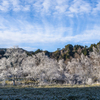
{"x":50,"y":86}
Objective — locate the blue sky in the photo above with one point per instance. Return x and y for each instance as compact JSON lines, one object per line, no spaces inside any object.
{"x":49,"y":24}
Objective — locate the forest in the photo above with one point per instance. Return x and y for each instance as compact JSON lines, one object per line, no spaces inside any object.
{"x":71,"y":65}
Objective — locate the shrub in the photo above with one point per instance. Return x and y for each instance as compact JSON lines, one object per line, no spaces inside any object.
{"x":38,"y":51}
{"x":69,"y":47}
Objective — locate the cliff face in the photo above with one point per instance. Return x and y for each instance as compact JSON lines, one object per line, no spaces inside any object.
{"x":45,"y":70}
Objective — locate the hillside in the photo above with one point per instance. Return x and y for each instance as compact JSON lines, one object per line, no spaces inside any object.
{"x":71,"y":65}
{"x":68,"y":52}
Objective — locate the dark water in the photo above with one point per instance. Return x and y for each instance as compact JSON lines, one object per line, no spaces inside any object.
{"x":87,"y":93}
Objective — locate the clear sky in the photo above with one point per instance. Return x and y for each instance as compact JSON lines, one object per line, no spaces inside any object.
{"x":49,"y":24}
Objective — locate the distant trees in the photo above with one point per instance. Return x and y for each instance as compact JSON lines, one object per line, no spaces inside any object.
{"x":30,"y":53}
{"x":76,"y":47}
{"x":2,"y":52}
{"x":91,"y":47}
{"x":66,"y":53}
{"x":38,"y":51}
{"x":85,"y":51}
{"x":69,"y":47}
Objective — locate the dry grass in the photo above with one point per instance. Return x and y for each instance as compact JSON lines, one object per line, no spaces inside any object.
{"x":47,"y":86}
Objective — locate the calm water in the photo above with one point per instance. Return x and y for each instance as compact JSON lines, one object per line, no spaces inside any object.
{"x":87,"y":93}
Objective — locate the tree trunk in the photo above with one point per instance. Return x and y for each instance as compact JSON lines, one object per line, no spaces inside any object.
{"x":13,"y":82}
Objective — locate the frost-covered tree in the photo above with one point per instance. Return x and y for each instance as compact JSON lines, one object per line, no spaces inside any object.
{"x":17,"y":64}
